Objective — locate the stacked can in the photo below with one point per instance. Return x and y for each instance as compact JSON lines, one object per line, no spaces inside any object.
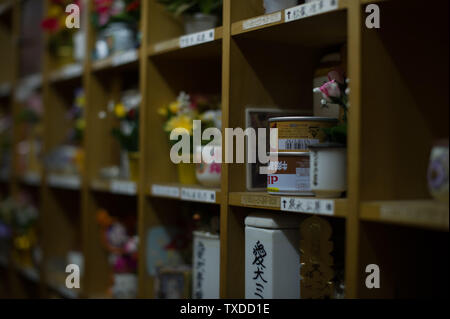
{"x":289,"y":168}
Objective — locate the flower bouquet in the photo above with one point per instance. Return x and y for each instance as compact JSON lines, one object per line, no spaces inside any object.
{"x":328,"y":176}
{"x":179,"y":117}
{"x":117,"y":23}
{"x":127,"y":130}
{"x":61,"y":39}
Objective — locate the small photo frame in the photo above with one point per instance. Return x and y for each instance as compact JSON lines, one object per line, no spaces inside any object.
{"x":173,"y":282}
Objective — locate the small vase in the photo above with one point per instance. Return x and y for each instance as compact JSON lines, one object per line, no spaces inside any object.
{"x":186,"y":173}
{"x":328,"y":165}
{"x":209,"y":174}
{"x":133,"y":165}
{"x":199,"y":22}
{"x":438,"y":171}
{"x":277,"y":5}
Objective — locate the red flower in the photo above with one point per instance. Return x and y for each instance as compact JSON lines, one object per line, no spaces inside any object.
{"x":50,"y":24}
{"x":133,"y":5}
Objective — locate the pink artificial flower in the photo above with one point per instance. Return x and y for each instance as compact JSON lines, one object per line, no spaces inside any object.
{"x":330,"y":90}
{"x":336,"y":76}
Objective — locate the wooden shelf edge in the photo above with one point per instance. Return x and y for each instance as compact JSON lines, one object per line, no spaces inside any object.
{"x":262,"y":200}
{"x":69,"y":182}
{"x":119,"y":59}
{"x":273,"y":19}
{"x":173,"y":45}
{"x":66,"y":73}
{"x":427,"y":214}
{"x":116,"y":187}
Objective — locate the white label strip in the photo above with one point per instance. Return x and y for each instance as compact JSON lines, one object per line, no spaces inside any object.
{"x":263,"y":20}
{"x":123,"y":187}
{"x":307,"y":205}
{"x":310,"y":9}
{"x":166,"y":191}
{"x":124,"y":58}
{"x":72,"y":71}
{"x":198,"y":195}
{"x":197,"y":38}
{"x":71,"y":182}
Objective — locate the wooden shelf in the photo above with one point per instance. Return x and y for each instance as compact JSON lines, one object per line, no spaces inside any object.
{"x":119,"y":187}
{"x":416,"y":213}
{"x":70,"y":182}
{"x":196,"y":45}
{"x":325,"y":27}
{"x":189,"y":193}
{"x":63,"y":291}
{"x":127,"y":58}
{"x":66,"y":73}
{"x":6,"y":7}
{"x":304,"y":205}
{"x":29,"y":273}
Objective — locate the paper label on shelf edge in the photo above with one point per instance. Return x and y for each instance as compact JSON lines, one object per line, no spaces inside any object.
{"x":258,"y":200}
{"x":198,"y":195}
{"x":166,"y":191}
{"x":310,"y":9}
{"x":72,"y":71}
{"x":263,"y":20}
{"x":123,"y":187}
{"x":307,"y":205}
{"x":124,"y":58}
{"x":64,"y":181}
{"x":197,"y":38}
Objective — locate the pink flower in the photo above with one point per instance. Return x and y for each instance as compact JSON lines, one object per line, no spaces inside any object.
{"x":330,"y":90}
{"x":336,"y":76}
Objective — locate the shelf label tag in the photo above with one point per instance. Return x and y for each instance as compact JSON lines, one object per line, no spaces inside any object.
{"x":263,"y":20}
{"x":166,"y":191}
{"x":310,"y":9}
{"x":124,"y":58}
{"x":71,"y":182}
{"x":197,"y":38}
{"x":123,"y":187}
{"x":307,"y":205}
{"x":198,"y":195}
{"x":72,"y":71}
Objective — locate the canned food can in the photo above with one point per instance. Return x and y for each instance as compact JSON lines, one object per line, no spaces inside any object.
{"x":289,"y":174}
{"x":297,"y":133}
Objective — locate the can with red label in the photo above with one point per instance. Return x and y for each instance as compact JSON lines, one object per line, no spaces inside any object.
{"x":289,"y":174}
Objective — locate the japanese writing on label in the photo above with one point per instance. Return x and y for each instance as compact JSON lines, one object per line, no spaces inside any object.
{"x":199,"y":270}
{"x":198,"y":195}
{"x":278,"y":166}
{"x":305,"y":205}
{"x":309,"y":9}
{"x":263,"y":20}
{"x":259,"y":254}
{"x":197,"y":38}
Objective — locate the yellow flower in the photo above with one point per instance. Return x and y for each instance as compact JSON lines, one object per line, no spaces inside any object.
{"x":180,"y":122}
{"x":80,"y":124}
{"x":55,"y":11}
{"x":162,"y":111}
{"x":120,"y":110}
{"x":174,"y":107}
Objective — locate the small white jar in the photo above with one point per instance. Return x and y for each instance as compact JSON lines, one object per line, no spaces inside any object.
{"x":277,"y":5}
{"x":328,"y":175}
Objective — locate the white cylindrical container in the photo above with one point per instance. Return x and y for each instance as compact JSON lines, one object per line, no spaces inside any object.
{"x":206,"y":266}
{"x":277,"y":5}
{"x":328,"y":174}
{"x":199,"y":22}
{"x":272,"y":257}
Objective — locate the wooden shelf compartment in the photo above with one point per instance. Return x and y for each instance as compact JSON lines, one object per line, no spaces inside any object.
{"x":98,"y":273}
{"x":417,"y":213}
